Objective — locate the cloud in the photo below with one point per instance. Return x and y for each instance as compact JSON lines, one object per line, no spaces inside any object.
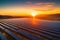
{"x":41,"y":5}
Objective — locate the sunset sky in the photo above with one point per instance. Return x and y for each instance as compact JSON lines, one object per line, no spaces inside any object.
{"x":26,"y":7}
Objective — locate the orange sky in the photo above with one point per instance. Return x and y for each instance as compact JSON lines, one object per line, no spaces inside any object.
{"x":39,"y":8}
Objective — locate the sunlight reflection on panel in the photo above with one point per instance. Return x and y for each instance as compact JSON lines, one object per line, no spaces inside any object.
{"x":34,"y":21}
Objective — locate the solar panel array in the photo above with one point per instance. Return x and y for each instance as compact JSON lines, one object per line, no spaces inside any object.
{"x":11,"y":30}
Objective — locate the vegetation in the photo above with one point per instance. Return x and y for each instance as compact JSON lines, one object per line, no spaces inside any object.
{"x":5,"y":16}
{"x":44,"y":17}
{"x":50,"y":17}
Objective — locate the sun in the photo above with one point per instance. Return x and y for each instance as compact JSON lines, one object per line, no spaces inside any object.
{"x":33,"y":13}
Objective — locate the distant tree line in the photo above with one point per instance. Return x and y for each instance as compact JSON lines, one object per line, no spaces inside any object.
{"x":5,"y":16}
{"x":50,"y":17}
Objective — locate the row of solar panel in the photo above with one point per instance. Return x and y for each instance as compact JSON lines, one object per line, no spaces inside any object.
{"x":30,"y":33}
